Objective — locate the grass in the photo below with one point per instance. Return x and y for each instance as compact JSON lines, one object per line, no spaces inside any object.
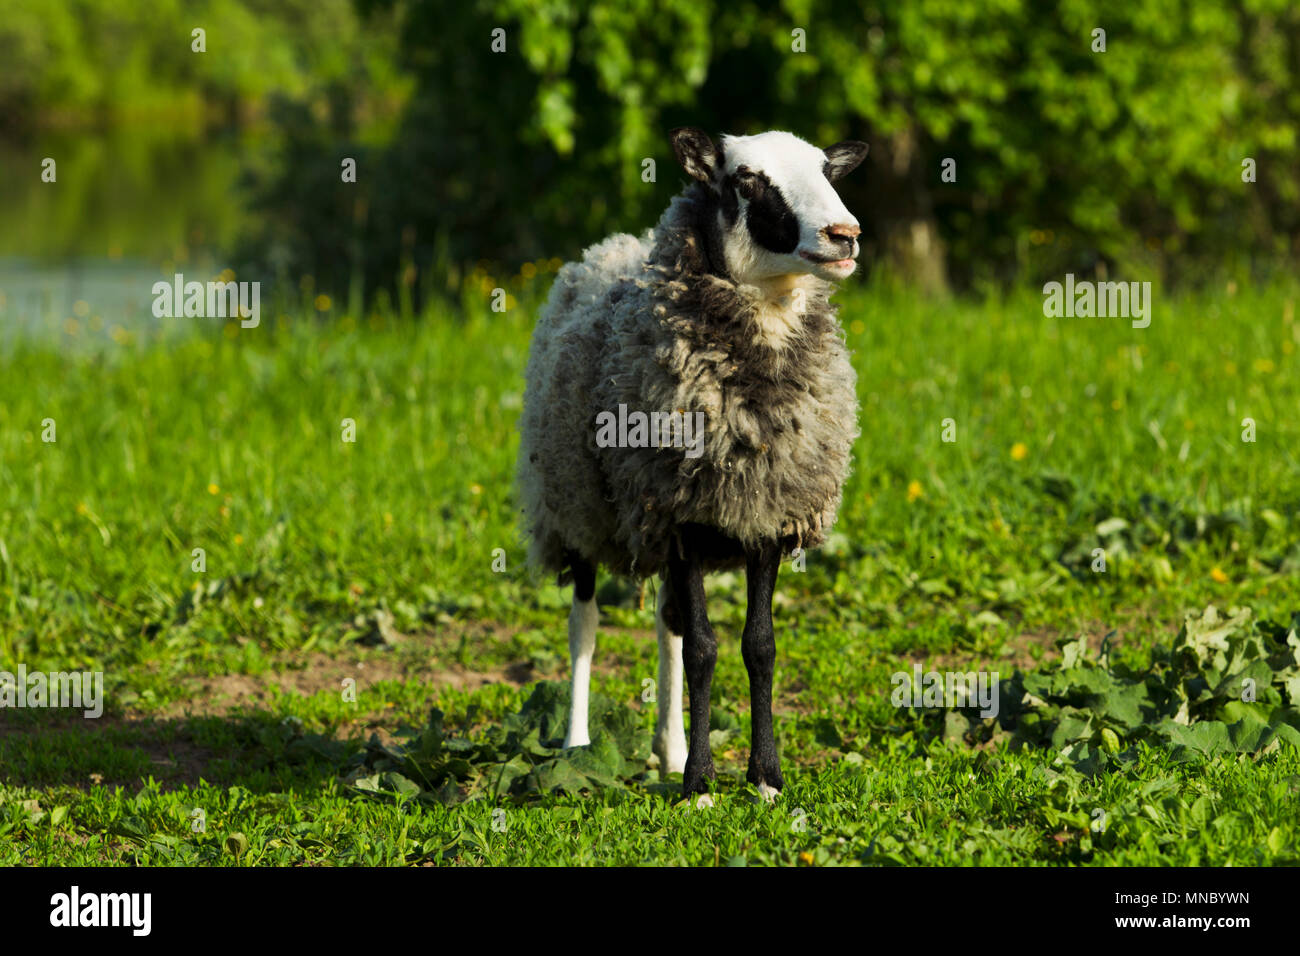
{"x":374,"y":560}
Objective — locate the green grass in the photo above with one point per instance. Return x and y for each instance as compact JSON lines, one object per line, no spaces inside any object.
{"x":967,"y":554}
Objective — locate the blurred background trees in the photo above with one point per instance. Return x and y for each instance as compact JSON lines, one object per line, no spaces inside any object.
{"x":1066,"y":158}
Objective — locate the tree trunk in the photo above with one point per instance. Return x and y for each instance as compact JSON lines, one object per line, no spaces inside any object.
{"x":901,"y":212}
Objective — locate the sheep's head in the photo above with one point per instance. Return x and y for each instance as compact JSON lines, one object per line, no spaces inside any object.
{"x":778,"y":214}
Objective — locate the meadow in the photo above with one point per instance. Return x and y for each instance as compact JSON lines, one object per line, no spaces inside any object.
{"x":393,"y":565}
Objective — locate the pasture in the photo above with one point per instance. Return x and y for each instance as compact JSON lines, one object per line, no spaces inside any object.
{"x":365,"y":671}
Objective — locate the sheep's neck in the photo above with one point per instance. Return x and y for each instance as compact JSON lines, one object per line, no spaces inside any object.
{"x":780,"y":309}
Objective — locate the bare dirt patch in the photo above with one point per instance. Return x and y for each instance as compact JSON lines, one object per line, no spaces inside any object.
{"x":1032,"y":648}
{"x":418,"y":657}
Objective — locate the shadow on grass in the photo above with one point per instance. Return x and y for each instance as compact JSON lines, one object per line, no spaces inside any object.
{"x":517,"y":759}
{"x":258,"y":750}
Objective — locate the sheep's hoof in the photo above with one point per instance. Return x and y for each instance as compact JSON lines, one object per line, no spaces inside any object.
{"x":769,"y":794}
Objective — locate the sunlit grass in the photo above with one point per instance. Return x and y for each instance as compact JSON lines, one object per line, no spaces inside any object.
{"x":230,"y":440}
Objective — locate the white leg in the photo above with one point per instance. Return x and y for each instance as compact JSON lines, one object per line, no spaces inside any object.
{"x":582,"y":644}
{"x":670,"y":731}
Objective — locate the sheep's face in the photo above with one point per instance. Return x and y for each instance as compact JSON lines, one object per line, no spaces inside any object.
{"x":778,"y":214}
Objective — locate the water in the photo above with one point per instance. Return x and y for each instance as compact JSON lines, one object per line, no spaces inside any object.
{"x":79,"y":256}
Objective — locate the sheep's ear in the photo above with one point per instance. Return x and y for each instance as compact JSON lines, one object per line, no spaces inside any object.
{"x":843,"y":158}
{"x":696,"y":152}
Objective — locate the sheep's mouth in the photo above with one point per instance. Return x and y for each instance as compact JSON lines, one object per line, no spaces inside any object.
{"x":827,"y":260}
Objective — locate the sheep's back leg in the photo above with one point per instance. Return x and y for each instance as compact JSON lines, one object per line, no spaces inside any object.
{"x":670,"y":733}
{"x":758,"y":648}
{"x":582,"y":645}
{"x":699,"y":654}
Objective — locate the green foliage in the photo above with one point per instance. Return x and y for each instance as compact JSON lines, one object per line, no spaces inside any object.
{"x":1156,"y":532}
{"x":98,"y":62}
{"x":521,"y":755}
{"x":1192,"y":698}
{"x":1067,"y":158}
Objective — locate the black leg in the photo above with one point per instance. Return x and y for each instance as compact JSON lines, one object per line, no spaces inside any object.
{"x":699,"y":654}
{"x":758,"y":647}
{"x":584,"y":576}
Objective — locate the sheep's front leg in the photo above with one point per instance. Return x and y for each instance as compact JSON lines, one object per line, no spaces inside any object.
{"x":699,"y":654}
{"x":758,"y":648}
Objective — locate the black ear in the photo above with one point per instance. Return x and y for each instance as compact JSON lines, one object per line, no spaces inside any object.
{"x":843,"y":158}
{"x":696,"y":152}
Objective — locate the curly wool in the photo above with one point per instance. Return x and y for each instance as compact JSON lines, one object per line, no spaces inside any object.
{"x":651,"y":324}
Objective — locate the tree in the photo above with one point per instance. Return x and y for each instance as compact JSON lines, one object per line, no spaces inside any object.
{"x":1070,"y":150}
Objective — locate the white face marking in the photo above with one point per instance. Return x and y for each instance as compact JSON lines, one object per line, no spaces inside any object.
{"x":797,"y":171}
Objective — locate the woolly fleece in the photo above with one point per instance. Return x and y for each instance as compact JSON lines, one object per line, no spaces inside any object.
{"x":652,"y":323}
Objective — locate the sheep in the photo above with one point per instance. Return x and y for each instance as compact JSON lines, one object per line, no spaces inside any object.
{"x":718,"y":316}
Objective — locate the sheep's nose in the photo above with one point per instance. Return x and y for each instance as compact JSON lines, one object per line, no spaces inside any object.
{"x":843,"y":230}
